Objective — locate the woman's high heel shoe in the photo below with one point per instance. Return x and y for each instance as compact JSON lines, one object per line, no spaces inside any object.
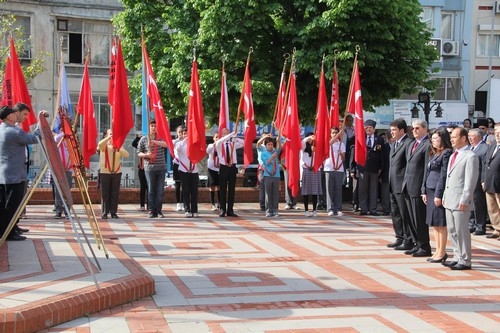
{"x":443,"y":259}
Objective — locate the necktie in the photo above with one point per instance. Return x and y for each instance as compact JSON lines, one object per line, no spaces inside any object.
{"x":453,"y":158}
{"x":415,"y":145}
{"x":228,"y":155}
{"x":369,"y":143}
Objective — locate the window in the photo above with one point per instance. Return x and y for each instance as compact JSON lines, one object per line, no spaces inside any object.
{"x":427,"y":16}
{"x":447,"y":25}
{"x":449,"y":89}
{"x":22,"y":24}
{"x":79,"y":38}
{"x":485,"y":47}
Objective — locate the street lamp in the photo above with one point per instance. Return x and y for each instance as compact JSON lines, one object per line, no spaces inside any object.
{"x":424,"y":102}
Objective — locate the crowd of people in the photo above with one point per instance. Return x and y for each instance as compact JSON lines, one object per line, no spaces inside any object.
{"x":447,"y":179}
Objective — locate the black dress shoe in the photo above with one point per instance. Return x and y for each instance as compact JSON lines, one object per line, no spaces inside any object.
{"x":422,"y":253}
{"x":16,"y":237}
{"x":413,"y":250}
{"x":397,"y":242}
{"x":21,"y":230}
{"x":232,"y":214}
{"x":58,"y":216}
{"x":373,"y":213}
{"x":493,"y":235}
{"x":460,"y":267}
{"x":479,"y":232}
{"x":114,"y":216}
{"x":363,"y":213}
{"x":222,"y":213}
{"x":449,"y":263}
{"x":104,"y":216}
{"x":404,"y":247}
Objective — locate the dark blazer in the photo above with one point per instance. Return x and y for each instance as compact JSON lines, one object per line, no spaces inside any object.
{"x":435,"y":173}
{"x":374,"y":160}
{"x":397,"y":165}
{"x":415,"y":167}
{"x":386,"y":155}
{"x":491,"y":170}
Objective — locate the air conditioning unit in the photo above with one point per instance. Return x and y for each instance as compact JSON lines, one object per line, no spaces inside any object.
{"x":451,"y":48}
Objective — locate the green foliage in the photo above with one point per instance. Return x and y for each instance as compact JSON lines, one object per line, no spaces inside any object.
{"x":393,"y":53}
{"x":32,"y":67}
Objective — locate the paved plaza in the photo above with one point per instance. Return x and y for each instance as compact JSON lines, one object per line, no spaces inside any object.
{"x":248,"y":274}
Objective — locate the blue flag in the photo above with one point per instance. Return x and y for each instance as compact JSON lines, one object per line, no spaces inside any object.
{"x":64,"y":102}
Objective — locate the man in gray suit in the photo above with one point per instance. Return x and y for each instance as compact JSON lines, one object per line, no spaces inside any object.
{"x":397,"y":166}
{"x":463,"y":170}
{"x":477,"y":224}
{"x":491,"y":182}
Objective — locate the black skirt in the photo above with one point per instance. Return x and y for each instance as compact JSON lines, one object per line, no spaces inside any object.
{"x":436,"y":216}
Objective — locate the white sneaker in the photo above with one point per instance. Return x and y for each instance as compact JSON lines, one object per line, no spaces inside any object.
{"x":330,"y":213}
{"x":179,"y":207}
{"x":315,"y":213}
{"x":287,"y":207}
{"x":187,"y":214}
{"x":269,"y":214}
{"x":213,"y":208}
{"x":308,"y":213}
{"x":340,"y":214}
{"x":196,"y":215}
{"x":276,"y":215}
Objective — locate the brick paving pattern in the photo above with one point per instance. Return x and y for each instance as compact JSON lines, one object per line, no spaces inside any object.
{"x":251,"y":274}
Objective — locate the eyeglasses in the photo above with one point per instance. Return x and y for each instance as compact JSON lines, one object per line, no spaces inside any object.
{"x":416,"y":128}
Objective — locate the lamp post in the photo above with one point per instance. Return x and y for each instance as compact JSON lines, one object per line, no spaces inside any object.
{"x":424,"y":102}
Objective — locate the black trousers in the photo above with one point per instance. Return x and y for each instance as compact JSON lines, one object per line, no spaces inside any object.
{"x":11,"y":196}
{"x":190,"y":183}
{"x":227,"y":179}
{"x":418,"y":228}
{"x":399,"y":212}
{"x":110,"y":190}
{"x":144,"y":187}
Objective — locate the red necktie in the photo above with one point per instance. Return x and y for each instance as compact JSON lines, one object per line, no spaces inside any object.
{"x":415,"y":145}
{"x":453,"y":158}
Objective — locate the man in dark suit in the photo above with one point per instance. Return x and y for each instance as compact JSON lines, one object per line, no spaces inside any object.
{"x":411,"y":189}
{"x":369,"y":173}
{"x":478,"y":223}
{"x":463,"y":170}
{"x":491,"y":182}
{"x":397,"y":166}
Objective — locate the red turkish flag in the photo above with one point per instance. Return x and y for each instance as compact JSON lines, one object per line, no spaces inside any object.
{"x":85,"y":107}
{"x":334,"y":103}
{"x":356,"y":107}
{"x":197,"y":143}
{"x":119,"y":97}
{"x":155,"y":105}
{"x":322,"y":128}
{"x":249,"y":124}
{"x":293,"y":144}
{"x":280,"y":103}
{"x":14,"y":88}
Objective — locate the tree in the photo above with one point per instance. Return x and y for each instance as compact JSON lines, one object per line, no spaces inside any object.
{"x":7,"y":27}
{"x":394,"y":55}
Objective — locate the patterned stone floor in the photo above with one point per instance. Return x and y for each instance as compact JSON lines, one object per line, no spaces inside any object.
{"x":255,"y":274}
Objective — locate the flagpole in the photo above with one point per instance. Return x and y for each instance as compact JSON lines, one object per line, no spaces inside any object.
{"x":285,"y":103}
{"x":77,"y":115}
{"x":250,"y":51}
{"x":278,"y":98}
{"x":321,"y":74}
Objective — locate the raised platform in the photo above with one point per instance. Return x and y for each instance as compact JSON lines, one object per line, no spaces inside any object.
{"x":44,"y":280}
